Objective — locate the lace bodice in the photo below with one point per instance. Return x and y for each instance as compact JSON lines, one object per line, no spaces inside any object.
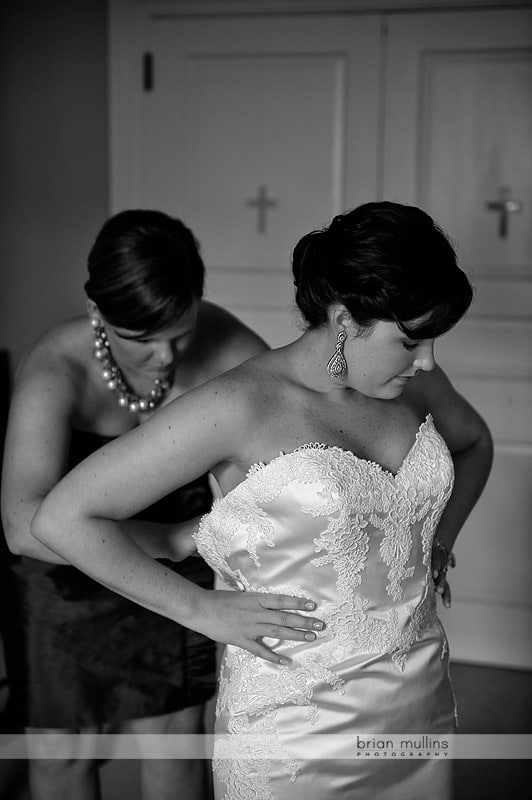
{"x":323,"y":523}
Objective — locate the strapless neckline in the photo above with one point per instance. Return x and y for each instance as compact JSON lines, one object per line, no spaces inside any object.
{"x":309,"y":446}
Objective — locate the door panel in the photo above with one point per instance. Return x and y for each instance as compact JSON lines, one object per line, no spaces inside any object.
{"x":476,"y":129}
{"x":236,"y":145}
{"x":458,"y":134}
{"x":283,"y":107}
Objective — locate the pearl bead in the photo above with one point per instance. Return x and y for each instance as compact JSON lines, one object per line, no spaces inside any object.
{"x":112,"y":375}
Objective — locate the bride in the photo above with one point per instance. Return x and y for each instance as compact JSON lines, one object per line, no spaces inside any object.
{"x":353,"y":466}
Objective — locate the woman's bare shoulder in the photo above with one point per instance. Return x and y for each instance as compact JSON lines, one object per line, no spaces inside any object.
{"x":236,"y":397}
{"x":246,"y":380}
{"x":62,"y":352}
{"x":227,"y":337}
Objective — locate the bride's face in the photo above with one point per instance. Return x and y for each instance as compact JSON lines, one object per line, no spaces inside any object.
{"x":382,"y":362}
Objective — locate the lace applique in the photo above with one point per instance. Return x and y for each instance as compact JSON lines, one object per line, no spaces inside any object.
{"x":243,"y":762}
{"x":229,"y":514}
{"x":239,"y":511}
{"x":423,"y":489}
{"x":352,"y":630}
{"x":254,"y":687}
{"x":360,"y":512}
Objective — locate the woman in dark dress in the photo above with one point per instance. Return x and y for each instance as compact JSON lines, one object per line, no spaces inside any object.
{"x":79,"y":656}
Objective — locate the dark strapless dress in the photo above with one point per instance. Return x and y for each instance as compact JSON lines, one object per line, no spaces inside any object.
{"x":78,"y":654}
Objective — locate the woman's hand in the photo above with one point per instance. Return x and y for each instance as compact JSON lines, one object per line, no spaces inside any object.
{"x":442,"y":559}
{"x":181,"y":543}
{"x":245,"y":618}
{"x":171,"y":541}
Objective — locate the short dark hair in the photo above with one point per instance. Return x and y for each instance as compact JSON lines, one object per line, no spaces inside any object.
{"x":145,"y":270}
{"x":383,"y":261}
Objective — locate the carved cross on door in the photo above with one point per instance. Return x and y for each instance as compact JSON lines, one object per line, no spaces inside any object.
{"x":262,"y":203}
{"x":504,"y":206}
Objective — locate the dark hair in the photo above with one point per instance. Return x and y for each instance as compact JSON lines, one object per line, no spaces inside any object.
{"x":383,"y":261}
{"x":145,"y":270}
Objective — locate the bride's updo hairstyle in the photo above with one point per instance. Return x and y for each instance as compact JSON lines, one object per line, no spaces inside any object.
{"x":382,"y":261}
{"x":145,"y":270}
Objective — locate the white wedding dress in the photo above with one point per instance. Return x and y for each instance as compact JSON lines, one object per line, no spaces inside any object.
{"x":320,"y":522}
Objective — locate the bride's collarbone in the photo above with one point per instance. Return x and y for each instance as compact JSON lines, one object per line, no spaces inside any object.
{"x":384,"y":438}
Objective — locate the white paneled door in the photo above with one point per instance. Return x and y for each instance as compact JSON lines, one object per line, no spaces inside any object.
{"x":459,"y":143}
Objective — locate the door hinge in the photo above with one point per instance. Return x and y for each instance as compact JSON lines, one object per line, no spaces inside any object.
{"x":147,"y":72}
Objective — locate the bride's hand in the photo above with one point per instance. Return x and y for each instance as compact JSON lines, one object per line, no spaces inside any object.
{"x":442,"y":559}
{"x":244,"y":618}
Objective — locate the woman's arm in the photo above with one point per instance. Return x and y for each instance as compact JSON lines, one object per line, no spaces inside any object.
{"x":470,"y":443}
{"x":36,"y":448}
{"x":170,"y":540}
{"x":36,"y":458}
{"x":80,"y":518}
{"x":224,"y":341}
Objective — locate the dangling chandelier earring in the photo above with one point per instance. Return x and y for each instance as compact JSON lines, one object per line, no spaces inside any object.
{"x":337,"y":365}
{"x":114,"y":379}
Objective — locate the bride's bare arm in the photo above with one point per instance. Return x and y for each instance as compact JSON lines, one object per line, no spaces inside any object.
{"x":80,"y":518}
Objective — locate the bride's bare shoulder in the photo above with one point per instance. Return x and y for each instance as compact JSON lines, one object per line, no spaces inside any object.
{"x":250,"y":378}
{"x":242,"y":392}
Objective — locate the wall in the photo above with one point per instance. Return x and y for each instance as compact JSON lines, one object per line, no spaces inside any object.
{"x":53,"y":160}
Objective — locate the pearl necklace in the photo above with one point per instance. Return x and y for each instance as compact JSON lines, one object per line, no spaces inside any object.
{"x":114,"y":379}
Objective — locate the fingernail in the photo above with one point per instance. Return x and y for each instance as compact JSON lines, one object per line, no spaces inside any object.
{"x":435,"y":574}
{"x":317,"y":625}
{"x":310,"y":637}
{"x":284,"y":661}
{"x":310,"y":605}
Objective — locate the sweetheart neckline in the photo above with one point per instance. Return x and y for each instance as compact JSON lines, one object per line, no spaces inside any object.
{"x":259,"y":465}
{"x":384,"y":470}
